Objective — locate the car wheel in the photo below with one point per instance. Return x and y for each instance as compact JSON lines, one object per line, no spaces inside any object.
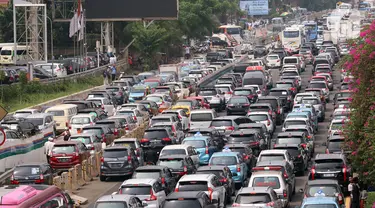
{"x":102,"y":178}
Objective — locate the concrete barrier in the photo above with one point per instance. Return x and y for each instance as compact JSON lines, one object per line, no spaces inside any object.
{"x":78,"y":171}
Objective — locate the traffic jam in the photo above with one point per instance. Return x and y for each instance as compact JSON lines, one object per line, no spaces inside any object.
{"x":246,"y":139}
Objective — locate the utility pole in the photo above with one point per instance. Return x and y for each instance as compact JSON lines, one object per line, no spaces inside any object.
{"x":34,"y":36}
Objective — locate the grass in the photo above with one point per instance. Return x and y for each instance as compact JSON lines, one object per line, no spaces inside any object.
{"x":370,"y":200}
{"x":16,"y":97}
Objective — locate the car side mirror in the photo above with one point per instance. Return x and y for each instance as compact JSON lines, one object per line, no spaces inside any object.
{"x":144,"y":204}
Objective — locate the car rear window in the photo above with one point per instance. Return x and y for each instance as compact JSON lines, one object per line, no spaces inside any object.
{"x":256,"y":198}
{"x":242,"y":92}
{"x":218,"y":173}
{"x":136,"y":190}
{"x":115,"y":153}
{"x":109,"y":124}
{"x":182,"y":203}
{"x":201,"y":117}
{"x":329,"y":164}
{"x":125,"y":144}
{"x":279,"y":93}
{"x":310,"y":101}
{"x":288,"y":140}
{"x":27,"y":170}
{"x":223,"y":160}
{"x":158,"y":134}
{"x":290,"y":60}
{"x":293,"y":151}
{"x":80,"y":120}
{"x":220,"y":123}
{"x":56,"y":113}
{"x":195,"y":143}
{"x":317,"y":85}
{"x":238,"y":100}
{"x":193,"y":186}
{"x":241,"y":138}
{"x":160,"y":120}
{"x":328,"y":190}
{"x":64,"y":149}
{"x":258,"y":117}
{"x":335,"y":144}
{"x":172,"y":163}
{"x":173,"y":152}
{"x":284,"y":85}
{"x":266,"y":181}
{"x":240,"y":150}
{"x":259,"y":108}
{"x":155,"y":174}
{"x":273,"y":102}
{"x":83,"y":139}
{"x":294,"y":123}
{"x":276,"y":157}
{"x":253,"y":81}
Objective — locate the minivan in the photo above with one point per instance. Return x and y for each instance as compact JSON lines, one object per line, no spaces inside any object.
{"x":251,"y":78}
{"x":201,"y":118}
{"x":62,"y":115}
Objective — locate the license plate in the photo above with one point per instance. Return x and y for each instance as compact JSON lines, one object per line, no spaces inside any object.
{"x":329,"y":175}
{"x":272,"y":64}
{"x":57,"y":124}
{"x":115,"y":165}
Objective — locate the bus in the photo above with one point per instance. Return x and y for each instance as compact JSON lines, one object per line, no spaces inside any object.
{"x":8,"y":52}
{"x":311,"y":30}
{"x":292,"y":38}
{"x":234,"y":31}
{"x":364,"y":6}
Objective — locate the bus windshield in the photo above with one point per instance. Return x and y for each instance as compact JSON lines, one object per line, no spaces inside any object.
{"x":291,"y":34}
{"x":312,"y":27}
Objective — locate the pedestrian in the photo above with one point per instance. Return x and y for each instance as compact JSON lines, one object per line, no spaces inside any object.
{"x":114,"y":71}
{"x":353,"y":189}
{"x":187,"y":52}
{"x":48,"y":148}
{"x":364,"y":195}
{"x":105,"y":76}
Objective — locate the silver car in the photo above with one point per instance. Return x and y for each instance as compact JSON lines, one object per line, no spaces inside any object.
{"x":90,"y":140}
{"x":318,"y":105}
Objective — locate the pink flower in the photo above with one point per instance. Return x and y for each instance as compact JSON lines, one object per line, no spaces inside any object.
{"x":363,"y":34}
{"x":368,"y":41}
{"x":354,"y":153}
{"x":350,"y":99}
{"x":371,"y":56}
{"x":358,"y":81}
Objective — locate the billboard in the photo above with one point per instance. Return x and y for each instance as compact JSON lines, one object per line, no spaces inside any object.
{"x":131,"y":10}
{"x":254,"y":7}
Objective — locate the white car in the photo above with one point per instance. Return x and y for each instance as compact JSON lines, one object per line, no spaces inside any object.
{"x":150,"y":191}
{"x":201,"y":118}
{"x":209,"y":183}
{"x":292,"y":121}
{"x":336,"y":126}
{"x":275,"y":154}
{"x":264,"y":118}
{"x":293,"y":73}
{"x":226,"y":89}
{"x":79,"y":121}
{"x":267,"y":195}
{"x":321,"y":85}
{"x":24,"y":113}
{"x":256,"y":88}
{"x":136,"y":114}
{"x":273,"y":61}
{"x":106,"y":104}
{"x":299,"y":96}
{"x":181,"y":113}
{"x":57,"y":69}
{"x":181,"y":90}
{"x":181,"y":149}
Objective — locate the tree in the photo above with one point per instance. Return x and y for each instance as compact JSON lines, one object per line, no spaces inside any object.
{"x":148,"y":41}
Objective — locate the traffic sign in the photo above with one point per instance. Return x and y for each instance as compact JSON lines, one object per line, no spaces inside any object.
{"x":2,"y":137}
{"x":3,"y":113}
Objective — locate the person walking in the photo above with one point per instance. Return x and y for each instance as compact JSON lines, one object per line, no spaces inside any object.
{"x":353,"y":189}
{"x":48,"y":148}
{"x":114,"y":71}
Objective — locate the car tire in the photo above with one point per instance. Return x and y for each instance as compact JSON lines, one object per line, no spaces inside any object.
{"x":102,"y":178}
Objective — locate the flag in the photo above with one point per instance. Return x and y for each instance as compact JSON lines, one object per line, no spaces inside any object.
{"x":74,"y":25}
{"x":82,"y":27}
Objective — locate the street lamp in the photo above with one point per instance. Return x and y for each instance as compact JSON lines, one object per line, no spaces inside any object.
{"x":52,"y":57}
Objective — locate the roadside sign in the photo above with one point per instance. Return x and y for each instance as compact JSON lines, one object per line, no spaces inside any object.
{"x":3,"y":113}
{"x":2,"y":137}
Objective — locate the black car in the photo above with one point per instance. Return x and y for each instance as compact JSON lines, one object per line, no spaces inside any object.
{"x":330,"y":188}
{"x":248,"y":157}
{"x":295,"y":137}
{"x":216,"y":136}
{"x":260,"y":51}
{"x":81,"y":104}
{"x":276,"y":105}
{"x":249,"y":92}
{"x":118,"y":161}
{"x":238,"y":105}
{"x":250,"y":137}
{"x":336,"y":145}
{"x":285,"y":95}
{"x":224,"y":174}
{"x":32,"y":173}
{"x":260,"y":127}
{"x":118,"y":93}
{"x":161,"y":173}
{"x":213,"y":56}
{"x":298,"y":154}
{"x":189,"y":199}
{"x":331,"y":166}
{"x":179,"y":164}
{"x":42,"y":74}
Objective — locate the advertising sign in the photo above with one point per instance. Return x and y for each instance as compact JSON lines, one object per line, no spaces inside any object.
{"x":254,"y":7}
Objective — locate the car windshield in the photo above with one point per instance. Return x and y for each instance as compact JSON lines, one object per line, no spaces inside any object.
{"x":27,"y":170}
{"x":272,"y":157}
{"x":136,"y":189}
{"x":258,"y":117}
{"x":80,"y":120}
{"x":173,"y":152}
{"x":223,"y":89}
{"x":254,"y":198}
{"x":64,"y":149}
{"x":171,"y":163}
{"x":110,"y":204}
{"x":115,"y":153}
{"x":201,"y":117}
{"x":195,"y":143}
{"x":220,"y":123}
{"x":125,"y":143}
{"x":329,"y":164}
{"x":141,"y":174}
{"x":317,"y":85}
{"x":241,"y":138}
{"x":184,"y":203}
{"x":328,"y":190}
{"x":266,"y":181}
{"x":223,"y":160}
{"x":335,"y":144}
{"x":137,"y":91}
{"x":192,"y":186}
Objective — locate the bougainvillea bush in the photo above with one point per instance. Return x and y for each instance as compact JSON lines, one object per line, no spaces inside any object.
{"x":359,"y":132}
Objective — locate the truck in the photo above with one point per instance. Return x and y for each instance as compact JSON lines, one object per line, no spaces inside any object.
{"x":170,"y":68}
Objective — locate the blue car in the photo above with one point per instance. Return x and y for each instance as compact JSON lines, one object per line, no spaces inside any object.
{"x":138,"y":93}
{"x":310,"y":112}
{"x":234,"y":162}
{"x":203,"y":145}
{"x":320,"y":201}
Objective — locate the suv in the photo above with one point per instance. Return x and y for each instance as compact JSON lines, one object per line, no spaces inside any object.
{"x":208,"y":183}
{"x":179,"y":164}
{"x":189,"y":199}
{"x":261,"y":128}
{"x":276,"y":105}
{"x":258,"y":197}
{"x":118,"y":161}
{"x":250,"y":137}
{"x":224,"y":174}
{"x":331,"y":166}
{"x":299,"y":156}
{"x":283,"y":166}
{"x":330,"y":188}
{"x":275,"y":155}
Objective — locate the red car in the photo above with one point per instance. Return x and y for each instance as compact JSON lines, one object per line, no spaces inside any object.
{"x":203,"y":102}
{"x":67,"y":154}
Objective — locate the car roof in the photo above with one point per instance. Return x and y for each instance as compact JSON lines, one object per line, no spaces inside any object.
{"x":297,"y":133}
{"x":267,"y":97}
{"x":319,"y":200}
{"x":145,"y":181}
{"x":196,"y":177}
{"x":227,"y":117}
{"x":38,"y":115}
{"x":202,"y":111}
{"x":236,"y":145}
{"x":322,"y":182}
{"x":273,"y":151}
{"x":122,"y":139}
{"x":254,"y":190}
{"x":82,"y":135}
{"x":197,"y":138}
{"x":31,"y":164}
{"x":280,"y":146}
{"x":328,"y":156}
{"x":185,"y":195}
{"x":244,"y":131}
{"x":256,"y":125}
{"x":201,"y":130}
{"x":115,"y":197}
{"x":151,"y":167}
{"x":173,"y":156}
{"x":271,"y":163}
{"x":225,"y":154}
{"x":176,"y":146}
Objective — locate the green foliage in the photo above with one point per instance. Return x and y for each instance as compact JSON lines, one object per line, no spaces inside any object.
{"x":2,"y":75}
{"x":318,"y":5}
{"x":23,"y":78}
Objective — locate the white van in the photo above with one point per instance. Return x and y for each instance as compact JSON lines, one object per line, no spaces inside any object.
{"x":201,"y":118}
{"x":57,"y":68}
{"x":79,"y":121}
{"x":62,"y":115}
{"x":7,"y":53}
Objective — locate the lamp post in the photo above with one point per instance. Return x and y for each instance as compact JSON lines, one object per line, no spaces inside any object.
{"x":52,"y":57}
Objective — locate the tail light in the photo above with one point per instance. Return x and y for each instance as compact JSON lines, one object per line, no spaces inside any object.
{"x":102,"y":159}
{"x":341,"y":199}
{"x":102,"y":107}
{"x":313,"y":173}
{"x":152,"y":197}
{"x":67,"y":125}
{"x":268,"y":122}
{"x":129,"y":158}
{"x":269,"y":112}
{"x":230,"y":128}
{"x":135,"y":118}
{"x":91,"y":123}
{"x":127,"y":127}
{"x":304,"y":146}
{"x":144,"y":140}
{"x":230,"y":105}
{"x":41,"y":179}
{"x":121,"y":94}
{"x":176,"y":190}
{"x":223,"y":180}
{"x":327,"y":151}
{"x":278,"y":110}
{"x":173,"y":129}
{"x":185,"y":169}
{"x":270,"y":204}
{"x":278,"y":60}
{"x":309,"y":137}
{"x":246,"y":105}
{"x":285,"y":194}
{"x":206,"y":152}
{"x":166,"y":139}
{"x":236,"y":205}
{"x":180,"y":117}
{"x":115,"y":132}
{"x":104,"y":139}
{"x":254,"y":143}
{"x":12,"y":181}
{"x":285,"y":175}
{"x":163,"y":180}
{"x":344,"y":171}
{"x":259,"y":92}
{"x":238,"y":168}
{"x":299,"y":156}
{"x":210,"y":192}
{"x":92,"y":148}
